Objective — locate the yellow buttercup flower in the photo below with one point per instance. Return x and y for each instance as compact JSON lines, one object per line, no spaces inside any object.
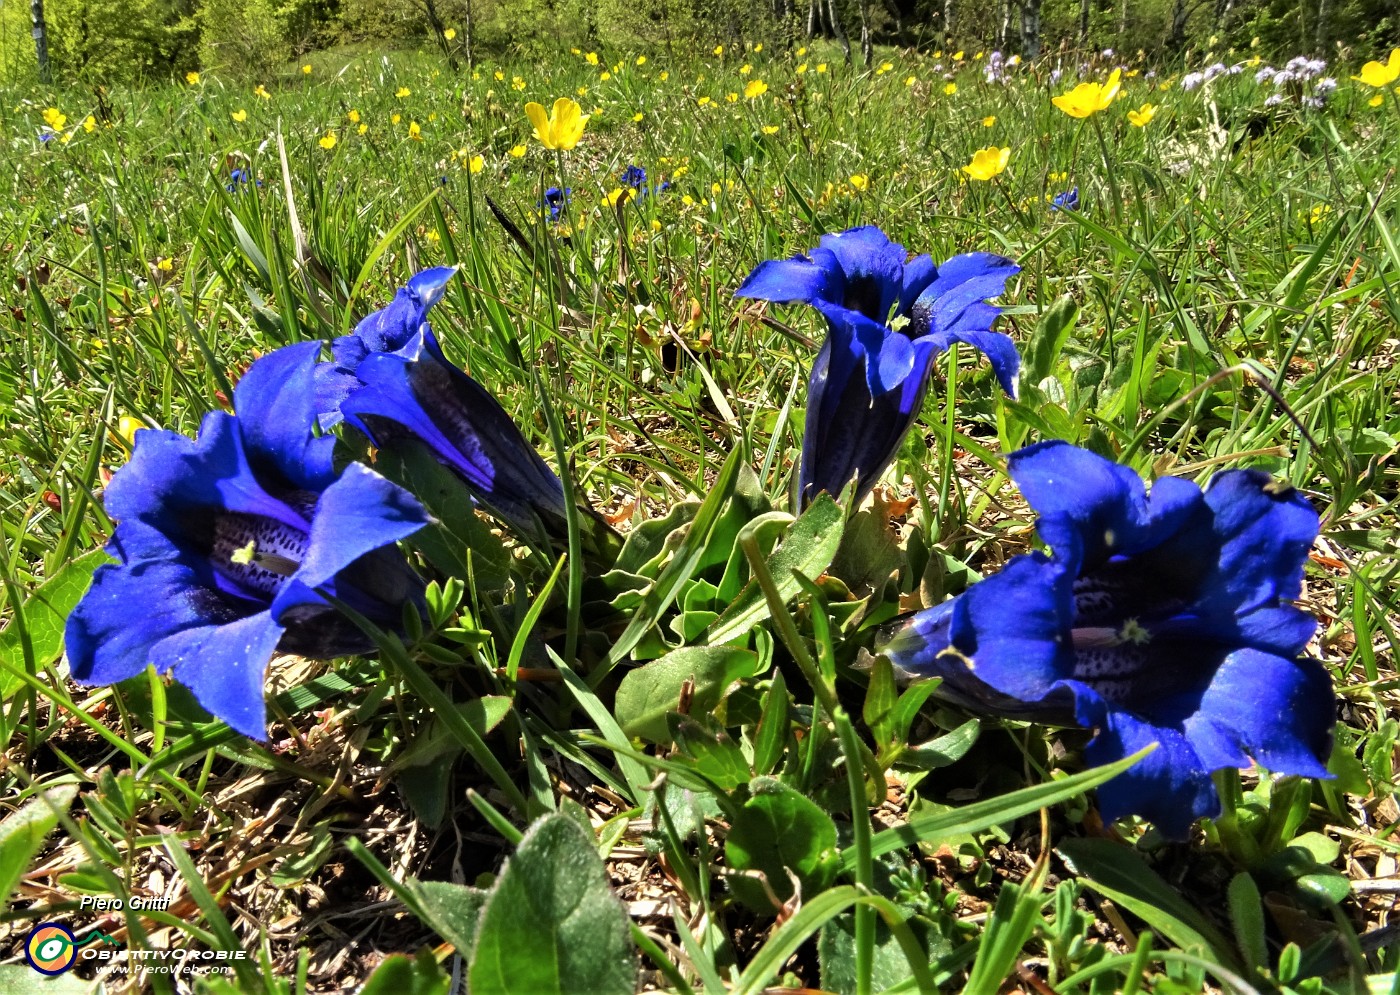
{"x":637,"y":117}
{"x":623,"y":194}
{"x":802,"y":68}
{"x":239,"y":115}
{"x":353,"y":116}
{"x":1142,"y":116}
{"x":989,"y":120}
{"x":719,"y":49}
{"x":362,"y":129}
{"x":591,"y":58}
{"x":802,"y":51}
{"x":499,"y":76}
{"x":911,"y":81}
{"x":563,"y":126}
{"x":191,"y":78}
{"x":821,"y":67}
{"x":860,"y":181}
{"x":261,"y":91}
{"x":89,"y":124}
{"x":415,"y":132}
{"x":55,"y":118}
{"x":883,"y":68}
{"x":1089,"y":98}
{"x":476,"y":163}
{"x":663,"y":76}
{"x":127,"y":427}
{"x":402,"y":92}
{"x":950,"y":89}
{"x":703,"y":101}
{"x":1377,"y":100}
{"x":1380,"y":74}
{"x":395,"y":118}
{"x":165,"y":264}
{"x":450,"y":33}
{"x":958,"y":56}
{"x":306,"y":69}
{"x":516,"y":151}
{"x":770,"y":129}
{"x":641,"y":60}
{"x":516,"y":83}
{"x":755,"y":89}
{"x":987,"y":163}
{"x":745,"y":69}
{"x":327,"y":141}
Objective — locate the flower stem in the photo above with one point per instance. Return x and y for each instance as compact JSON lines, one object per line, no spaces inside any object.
{"x":1108,"y":171}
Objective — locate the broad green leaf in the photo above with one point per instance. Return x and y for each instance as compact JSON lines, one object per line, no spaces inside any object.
{"x":946,"y":749}
{"x":650,"y":692}
{"x":482,"y":714}
{"x":836,"y":949}
{"x":452,"y":910}
{"x":43,"y":615}
{"x":880,"y":700}
{"x":23,"y":832}
{"x":780,"y":829}
{"x":1048,"y":340}
{"x":1247,"y":919}
{"x":808,"y":548}
{"x":401,"y":975}
{"x":21,"y":979}
{"x":707,"y":747}
{"x":551,"y":925}
{"x":771,"y":737}
{"x":1115,"y":871}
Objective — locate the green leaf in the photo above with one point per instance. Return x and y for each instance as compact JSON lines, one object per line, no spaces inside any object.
{"x":482,"y":714}
{"x":1247,"y":918}
{"x":43,"y":615}
{"x":909,"y":704}
{"x":946,"y":749}
{"x":302,"y":865}
{"x":776,"y":830}
{"x":1010,"y":926}
{"x":400,"y":975}
{"x":1118,"y":873}
{"x":452,"y":910}
{"x":771,"y":737}
{"x":836,"y":949}
{"x":709,"y":749}
{"x":23,"y":832}
{"x":18,"y":978}
{"x":1048,"y":341}
{"x":880,"y":701}
{"x":808,"y":548}
{"x":551,"y":924}
{"x":651,"y":692}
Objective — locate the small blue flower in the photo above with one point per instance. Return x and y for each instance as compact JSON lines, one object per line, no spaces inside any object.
{"x":555,"y":199}
{"x":888,"y":319}
{"x":634,"y":176}
{"x":227,"y":543}
{"x":1067,"y":201}
{"x":1159,"y":617}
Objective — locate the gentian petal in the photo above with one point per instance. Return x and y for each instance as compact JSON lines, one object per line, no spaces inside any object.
{"x":919,"y":272}
{"x":874,"y":270}
{"x":276,"y":405}
{"x":996,"y":346}
{"x":802,"y":278}
{"x":390,"y":328}
{"x":358,"y":513}
{"x":1107,"y":502}
{"x":889,"y":356}
{"x":1265,"y":530}
{"x":225,"y":666}
{"x":1279,"y":711}
{"x":1170,"y":785}
{"x":154,"y":592}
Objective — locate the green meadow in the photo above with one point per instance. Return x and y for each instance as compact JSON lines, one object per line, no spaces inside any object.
{"x":693,"y":777}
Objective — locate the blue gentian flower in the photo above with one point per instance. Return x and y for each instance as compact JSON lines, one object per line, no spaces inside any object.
{"x":391,"y":381}
{"x":1067,"y":201}
{"x":888,"y":318}
{"x":416,"y":393}
{"x":634,"y":176}
{"x":555,"y":199}
{"x":1159,"y":617}
{"x":386,"y":330}
{"x":227,"y":543}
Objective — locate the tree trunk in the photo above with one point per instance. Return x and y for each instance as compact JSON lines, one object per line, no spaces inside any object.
{"x":947,"y":22}
{"x":1176,"y":34}
{"x":867,"y":50}
{"x":41,"y":40}
{"x":1083,"y":23}
{"x":439,"y":29}
{"x":1323,"y":29}
{"x":814,"y":17}
{"x":838,"y":29}
{"x":892,"y":7}
{"x":1030,"y":29}
{"x":1004,"y":30}
{"x":1122,"y":21}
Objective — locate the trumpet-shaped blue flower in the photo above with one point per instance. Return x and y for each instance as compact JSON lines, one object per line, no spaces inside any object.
{"x":1067,"y":201}
{"x":416,"y":393}
{"x":888,"y":317}
{"x":555,"y":199}
{"x":636,"y":178}
{"x":228,"y":544}
{"x":1157,"y":617}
